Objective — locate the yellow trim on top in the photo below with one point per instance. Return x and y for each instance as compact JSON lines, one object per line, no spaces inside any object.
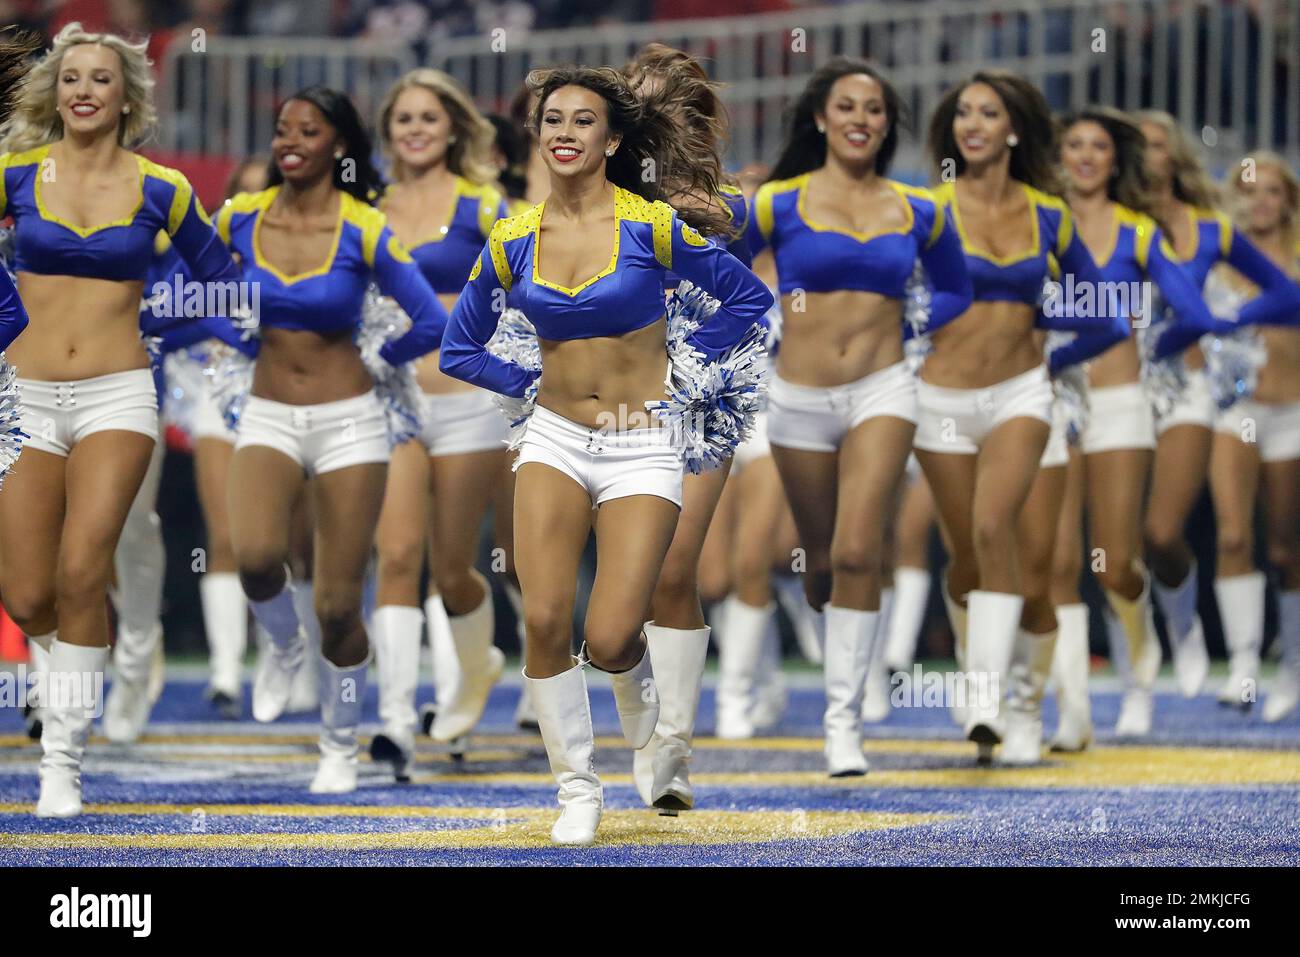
{"x":802,"y":189}
{"x":182,"y":192}
{"x":763,"y":208}
{"x":82,"y":231}
{"x":620,"y":207}
{"x":1035,"y":241}
{"x":266,"y":198}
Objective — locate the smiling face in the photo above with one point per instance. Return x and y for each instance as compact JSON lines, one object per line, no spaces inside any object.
{"x":855,"y":119}
{"x":91,"y":90}
{"x":1264,"y":200}
{"x":981,"y":125}
{"x":419,"y":128}
{"x":304,"y":144}
{"x":575,"y":132}
{"x":1158,"y":162}
{"x":1088,"y":155}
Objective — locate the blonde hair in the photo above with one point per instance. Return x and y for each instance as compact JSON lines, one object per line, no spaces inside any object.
{"x":1290,"y":183}
{"x":36,"y":121}
{"x":470,"y":155}
{"x":1191,"y":183}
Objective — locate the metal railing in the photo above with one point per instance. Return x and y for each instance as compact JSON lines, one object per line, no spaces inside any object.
{"x":1229,"y":70}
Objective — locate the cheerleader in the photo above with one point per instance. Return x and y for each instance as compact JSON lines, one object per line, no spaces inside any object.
{"x":442,"y":207}
{"x":842,"y":408}
{"x":1257,"y":444}
{"x":1182,"y":199}
{"x":985,"y":397}
{"x":313,"y":421}
{"x":607,"y":245}
{"x":1101,"y":154}
{"x":86,"y":210}
{"x":677,"y":635}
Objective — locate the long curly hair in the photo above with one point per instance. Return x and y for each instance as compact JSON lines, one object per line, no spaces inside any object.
{"x":1191,"y":183}
{"x":367,"y":184}
{"x":35,"y":120}
{"x":1290,"y":183}
{"x":1031,"y":120}
{"x":804,"y":148}
{"x":470,"y":155}
{"x":659,"y":136}
{"x":692,"y":87}
{"x":1129,"y":184}
{"x":17,"y":47}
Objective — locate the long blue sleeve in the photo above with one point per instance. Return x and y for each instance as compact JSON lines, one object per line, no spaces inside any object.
{"x":1278,"y":302}
{"x":13,"y":317}
{"x":198,"y":243}
{"x":1192,"y":317}
{"x":745,"y":299}
{"x":951,"y":291}
{"x":398,"y":276}
{"x":1075,"y":260}
{"x":1084,"y":346}
{"x":474,"y":319}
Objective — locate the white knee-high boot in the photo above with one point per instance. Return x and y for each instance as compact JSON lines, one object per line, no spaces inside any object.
{"x":343,"y":691}
{"x":957,"y":621}
{"x":1137,"y":631}
{"x":73,"y":686}
{"x":739,"y":651}
{"x":1285,"y":693}
{"x":850,"y":634}
{"x":395,"y":637}
{"x":1030,"y":666}
{"x":479,"y":663}
{"x":564,"y":716}
{"x":770,"y":694}
{"x":911,"y":594}
{"x":660,"y":769}
{"x":1186,"y":637}
{"x":525,"y":714}
{"x":38,"y":648}
{"x":282,"y":657}
{"x":305,"y":696}
{"x":803,"y":619}
{"x":225,"y":622}
{"x":993,"y":621}
{"x":875,"y":697}
{"x":1070,"y":666}
{"x":1241,"y":609}
{"x":636,"y":698}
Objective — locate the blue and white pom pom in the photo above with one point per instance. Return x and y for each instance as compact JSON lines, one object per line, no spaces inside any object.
{"x":916,"y":316}
{"x":515,"y":341}
{"x":711,"y":406}
{"x":185,"y":373}
{"x":382,"y":319}
{"x":230,"y":374}
{"x":1164,"y":381}
{"x":1232,"y":361}
{"x":1070,"y":386}
{"x":11,"y":415}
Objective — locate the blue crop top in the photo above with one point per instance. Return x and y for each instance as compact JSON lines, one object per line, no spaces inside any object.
{"x":1278,"y":302}
{"x":329,"y":298}
{"x":446,"y":257}
{"x":1054,"y":251}
{"x":120,"y":250}
{"x":649,"y":241}
{"x":818,"y":258}
{"x":1139,"y":252}
{"x":13,"y":317}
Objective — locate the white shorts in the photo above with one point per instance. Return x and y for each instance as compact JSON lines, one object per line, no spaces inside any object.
{"x":1119,"y":417}
{"x":816,"y":419}
{"x":957,"y":421}
{"x":756,"y":446}
{"x":58,"y":415}
{"x":608,"y":465}
{"x":459,"y":422}
{"x":1194,"y":407}
{"x":321,"y":438}
{"x":1057,"y":452}
{"x":1275,"y":428}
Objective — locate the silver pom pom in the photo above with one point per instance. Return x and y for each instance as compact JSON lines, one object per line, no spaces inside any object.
{"x":382,"y":319}
{"x":11,"y":414}
{"x":515,"y":341}
{"x":1232,"y":361}
{"x":230,"y":374}
{"x":916,"y":313}
{"x":1164,"y":380}
{"x":711,"y":406}
{"x":185,"y":371}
